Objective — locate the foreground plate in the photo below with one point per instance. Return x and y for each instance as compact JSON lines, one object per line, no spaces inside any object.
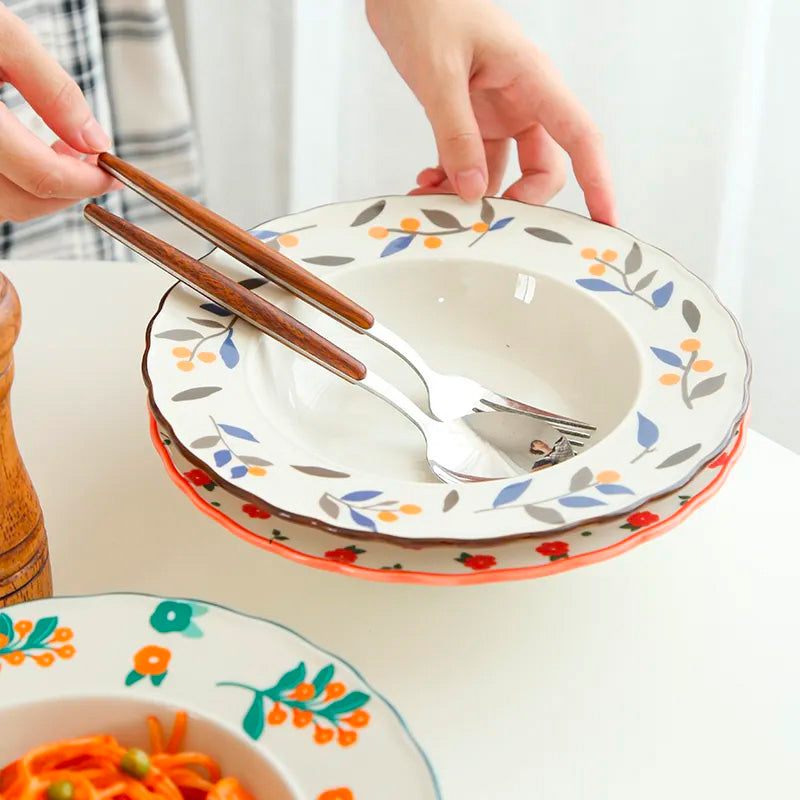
{"x":445,"y":564}
{"x":538,"y":303}
{"x":314,"y":716}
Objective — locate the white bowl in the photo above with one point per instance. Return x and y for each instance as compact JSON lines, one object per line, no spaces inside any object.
{"x":536,"y":303}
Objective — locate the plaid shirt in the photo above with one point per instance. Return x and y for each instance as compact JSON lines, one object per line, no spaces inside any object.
{"x":122,"y":55}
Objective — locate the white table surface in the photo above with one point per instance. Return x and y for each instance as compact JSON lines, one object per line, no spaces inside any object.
{"x":670,"y":672}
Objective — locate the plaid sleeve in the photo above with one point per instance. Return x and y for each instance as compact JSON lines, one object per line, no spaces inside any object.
{"x":122,"y":55}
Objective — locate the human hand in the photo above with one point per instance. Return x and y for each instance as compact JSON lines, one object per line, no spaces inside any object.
{"x":36,"y":179}
{"x":482,"y":83}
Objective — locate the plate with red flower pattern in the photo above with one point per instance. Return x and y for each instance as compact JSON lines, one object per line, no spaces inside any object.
{"x":537,"y":303}
{"x":288,"y":719}
{"x":443,"y":564}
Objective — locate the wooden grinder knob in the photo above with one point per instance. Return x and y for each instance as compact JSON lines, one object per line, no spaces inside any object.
{"x":24,"y":561}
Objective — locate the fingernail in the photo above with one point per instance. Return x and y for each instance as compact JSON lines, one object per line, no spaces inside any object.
{"x":94,"y":136}
{"x":470,"y":184}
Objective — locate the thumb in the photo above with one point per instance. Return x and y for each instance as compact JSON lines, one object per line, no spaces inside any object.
{"x":458,"y":140}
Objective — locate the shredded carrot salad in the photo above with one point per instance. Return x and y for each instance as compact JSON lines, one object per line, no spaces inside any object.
{"x":99,"y":768}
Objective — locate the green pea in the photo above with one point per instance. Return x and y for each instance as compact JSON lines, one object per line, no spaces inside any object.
{"x":61,"y":790}
{"x":136,"y":763}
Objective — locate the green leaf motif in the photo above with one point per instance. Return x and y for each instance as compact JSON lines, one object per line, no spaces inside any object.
{"x":322,"y":679}
{"x":133,"y":677}
{"x":42,"y":632}
{"x":253,"y":722}
{"x":350,"y":702}
{"x":193,"y":631}
{"x":6,"y":627}
{"x":291,"y":678}
{"x":157,"y":680}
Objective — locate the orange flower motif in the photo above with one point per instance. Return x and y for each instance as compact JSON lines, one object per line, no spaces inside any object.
{"x":334,"y":690}
{"x":45,"y":659}
{"x":23,"y":627}
{"x":277,"y":716}
{"x":152,"y":660}
{"x":358,"y":719}
{"x":304,"y":691}
{"x":322,"y":735}
{"x":346,"y":738}
{"x":343,"y":793}
{"x":62,"y":635}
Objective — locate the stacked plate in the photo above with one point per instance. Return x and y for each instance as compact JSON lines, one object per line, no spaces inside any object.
{"x":535,"y":302}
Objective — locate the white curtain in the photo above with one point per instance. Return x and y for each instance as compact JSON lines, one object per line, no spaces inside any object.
{"x":298,"y":105}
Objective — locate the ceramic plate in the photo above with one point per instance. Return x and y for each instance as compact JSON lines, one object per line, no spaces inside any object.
{"x":537,"y":303}
{"x":444,"y":564}
{"x":297,"y":721}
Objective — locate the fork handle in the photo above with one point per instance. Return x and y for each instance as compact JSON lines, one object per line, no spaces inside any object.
{"x":229,"y":294}
{"x":240,"y":244}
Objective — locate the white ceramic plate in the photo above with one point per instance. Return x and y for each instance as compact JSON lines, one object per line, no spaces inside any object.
{"x":537,"y":303}
{"x":290,"y":720}
{"x":450,"y":565}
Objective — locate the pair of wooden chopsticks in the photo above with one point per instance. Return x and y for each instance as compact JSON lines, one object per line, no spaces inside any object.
{"x":246,"y":248}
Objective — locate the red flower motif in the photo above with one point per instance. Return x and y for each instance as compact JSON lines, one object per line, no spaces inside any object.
{"x":642,"y":518}
{"x":479,"y":562}
{"x":553,"y":549}
{"x":255,"y":512}
{"x":343,"y":554}
{"x":197,"y":477}
{"x":720,"y":461}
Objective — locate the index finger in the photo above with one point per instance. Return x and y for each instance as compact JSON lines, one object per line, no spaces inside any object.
{"x":572,"y":127}
{"x":51,"y":92}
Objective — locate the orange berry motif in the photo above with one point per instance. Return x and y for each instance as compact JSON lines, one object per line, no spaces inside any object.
{"x":23,"y":627}
{"x":387,"y":516}
{"x":185,"y":366}
{"x":277,"y":716}
{"x":597,"y":269}
{"x":301,"y":717}
{"x":66,"y":652}
{"x":62,"y":635}
{"x":609,"y":255}
{"x":607,"y":476}
{"x":378,"y":232}
{"x":410,"y":224}
{"x":288,"y":240}
{"x":480,"y":227}
{"x":346,"y":738}
{"x":690,"y":345}
{"x":257,"y":471}
{"x":702,"y":365}
{"x":432,"y":242}
{"x":358,"y":719}
{"x":589,"y":252}
{"x":15,"y":658}
{"x":334,"y":690}
{"x":322,"y":735}
{"x":304,"y":691}
{"x":669,"y":379}
{"x":410,"y":508}
{"x":45,"y":659}
{"x":181,"y":352}
{"x":14,"y":649}
{"x":206,"y":357}
{"x":342,"y":793}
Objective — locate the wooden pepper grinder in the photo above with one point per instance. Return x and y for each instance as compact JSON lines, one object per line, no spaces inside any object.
{"x":24,"y":560}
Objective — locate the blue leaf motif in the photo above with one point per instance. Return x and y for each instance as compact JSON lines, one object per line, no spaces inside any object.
{"x":613,"y":488}
{"x":662,"y":295}
{"x":580,"y":501}
{"x":647,"y":435}
{"x":228,"y":351}
{"x":367,"y":494}
{"x":396,"y":245}
{"x":215,"y":309}
{"x":238,"y":471}
{"x":597,"y":285}
{"x":264,"y":234}
{"x":360,"y":519}
{"x":667,"y":356}
{"x":508,"y":494}
{"x":239,"y":433}
{"x":501,"y":223}
{"x":222,"y":457}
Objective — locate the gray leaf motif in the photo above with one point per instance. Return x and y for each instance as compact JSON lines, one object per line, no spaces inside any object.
{"x":548,"y":235}
{"x":368,"y":214}
{"x":443,"y":219}
{"x":208,"y":323}
{"x":204,"y":441}
{"x":197,"y":393}
{"x":329,"y":261}
{"x":691,"y":313}
{"x":646,"y":281}
{"x":450,"y":501}
{"x":320,"y":472}
{"x":581,"y":479}
{"x":708,"y":386}
{"x":255,"y":461}
{"x":634,"y":259}
{"x":680,"y":456}
{"x":487,"y":211}
{"x":547,"y":515}
{"x":328,"y":506}
{"x":178,"y":335}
